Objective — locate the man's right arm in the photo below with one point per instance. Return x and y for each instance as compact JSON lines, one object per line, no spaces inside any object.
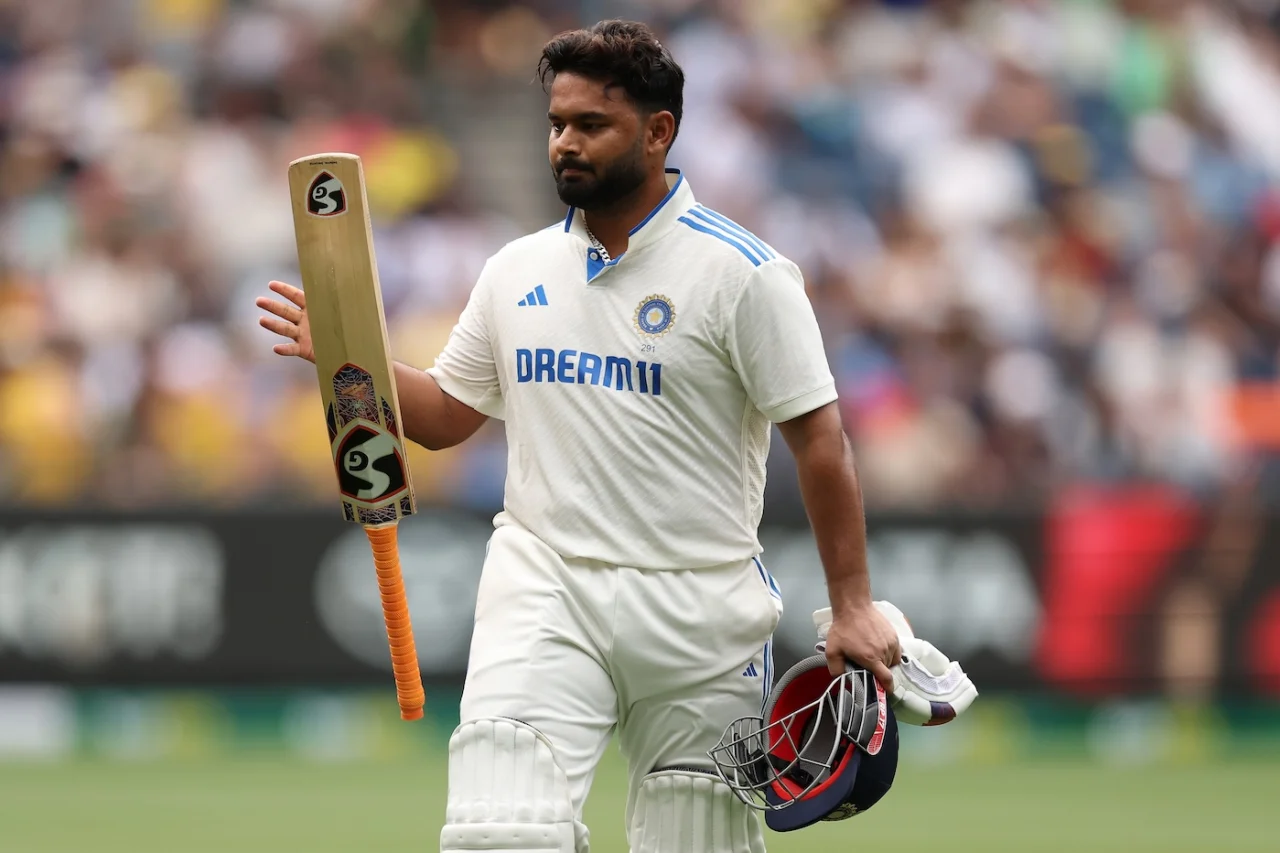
{"x":431,"y":417}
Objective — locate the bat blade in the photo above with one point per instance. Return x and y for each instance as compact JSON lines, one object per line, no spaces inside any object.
{"x":357,"y":382}
{"x":349,"y":332}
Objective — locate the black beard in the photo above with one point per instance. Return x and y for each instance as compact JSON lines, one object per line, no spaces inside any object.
{"x":592,"y":191}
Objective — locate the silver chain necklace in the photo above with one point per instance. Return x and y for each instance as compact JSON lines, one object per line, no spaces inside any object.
{"x":604,"y":253}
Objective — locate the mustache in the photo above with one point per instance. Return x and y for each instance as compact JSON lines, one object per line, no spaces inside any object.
{"x":572,"y":164}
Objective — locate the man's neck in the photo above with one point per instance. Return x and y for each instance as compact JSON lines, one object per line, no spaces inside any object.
{"x":612,"y":225}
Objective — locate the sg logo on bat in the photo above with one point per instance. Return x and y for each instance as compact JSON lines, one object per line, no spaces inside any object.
{"x":326,"y":197}
{"x":370,"y":468}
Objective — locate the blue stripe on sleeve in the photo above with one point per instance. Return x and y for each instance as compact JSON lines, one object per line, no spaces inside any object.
{"x":734,"y":228}
{"x":698,"y":226}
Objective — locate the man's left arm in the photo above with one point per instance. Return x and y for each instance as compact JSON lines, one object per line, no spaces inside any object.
{"x":776,"y":346}
{"x":833,"y":501}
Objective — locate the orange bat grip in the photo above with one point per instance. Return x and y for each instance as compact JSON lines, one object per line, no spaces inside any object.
{"x":395,"y":611}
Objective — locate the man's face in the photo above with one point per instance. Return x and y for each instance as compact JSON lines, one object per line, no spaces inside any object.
{"x":597,"y":142}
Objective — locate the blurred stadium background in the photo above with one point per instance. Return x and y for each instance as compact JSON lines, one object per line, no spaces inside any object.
{"x":1044,"y":241}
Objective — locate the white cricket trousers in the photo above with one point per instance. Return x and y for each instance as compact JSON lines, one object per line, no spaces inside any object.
{"x":578,"y":648}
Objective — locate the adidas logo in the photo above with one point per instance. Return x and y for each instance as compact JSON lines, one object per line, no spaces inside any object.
{"x":751,"y":671}
{"x":537,"y":296}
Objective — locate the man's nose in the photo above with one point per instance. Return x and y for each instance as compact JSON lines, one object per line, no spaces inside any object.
{"x":567,"y":144}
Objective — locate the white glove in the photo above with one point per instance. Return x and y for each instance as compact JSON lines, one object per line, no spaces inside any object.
{"x":929,"y":689}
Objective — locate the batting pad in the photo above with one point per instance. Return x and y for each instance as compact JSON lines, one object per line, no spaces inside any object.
{"x":679,"y":811}
{"x":506,"y":792}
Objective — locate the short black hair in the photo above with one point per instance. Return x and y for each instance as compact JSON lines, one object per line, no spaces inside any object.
{"x":619,"y":53}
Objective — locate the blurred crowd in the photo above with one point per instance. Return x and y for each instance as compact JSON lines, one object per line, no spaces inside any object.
{"x":1043,"y":236}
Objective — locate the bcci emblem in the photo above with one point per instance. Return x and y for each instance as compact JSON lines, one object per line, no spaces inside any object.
{"x":325,"y":196}
{"x":655,"y":316}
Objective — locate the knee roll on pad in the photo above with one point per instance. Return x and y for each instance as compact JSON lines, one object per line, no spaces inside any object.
{"x":682,"y":811}
{"x":507,"y":792}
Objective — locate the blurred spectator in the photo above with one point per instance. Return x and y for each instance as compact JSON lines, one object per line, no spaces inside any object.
{"x":1043,"y":235}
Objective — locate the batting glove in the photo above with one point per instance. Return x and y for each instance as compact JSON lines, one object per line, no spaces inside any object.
{"x":929,"y":689}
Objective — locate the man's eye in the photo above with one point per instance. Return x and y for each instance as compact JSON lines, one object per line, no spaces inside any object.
{"x":556,"y":127}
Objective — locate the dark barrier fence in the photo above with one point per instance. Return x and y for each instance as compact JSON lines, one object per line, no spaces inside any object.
{"x":1114,"y":593}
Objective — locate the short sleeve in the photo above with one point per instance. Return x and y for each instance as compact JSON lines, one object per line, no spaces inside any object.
{"x":776,"y":346}
{"x":465,"y":368}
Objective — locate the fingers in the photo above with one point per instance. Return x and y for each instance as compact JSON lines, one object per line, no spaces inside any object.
{"x":883,"y":675}
{"x":835,"y":663}
{"x":280,"y":309}
{"x":877,"y":663}
{"x":838,"y":665}
{"x":288,"y":291}
{"x":283,"y":328}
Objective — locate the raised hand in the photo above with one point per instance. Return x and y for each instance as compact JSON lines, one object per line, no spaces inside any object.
{"x":289,"y":320}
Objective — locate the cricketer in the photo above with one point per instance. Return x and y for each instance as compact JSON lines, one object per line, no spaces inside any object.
{"x":638,"y":353}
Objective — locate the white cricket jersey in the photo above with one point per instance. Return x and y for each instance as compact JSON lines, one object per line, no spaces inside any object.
{"x":638,"y":393}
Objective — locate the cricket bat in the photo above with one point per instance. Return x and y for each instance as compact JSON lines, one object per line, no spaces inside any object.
{"x":357,"y":381}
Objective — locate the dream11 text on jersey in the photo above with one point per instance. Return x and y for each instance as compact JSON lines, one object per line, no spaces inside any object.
{"x":548,"y":365}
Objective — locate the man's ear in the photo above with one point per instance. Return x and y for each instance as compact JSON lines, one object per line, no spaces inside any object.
{"x":661,"y":131}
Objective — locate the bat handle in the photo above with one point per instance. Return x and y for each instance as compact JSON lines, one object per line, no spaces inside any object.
{"x":395,"y":611}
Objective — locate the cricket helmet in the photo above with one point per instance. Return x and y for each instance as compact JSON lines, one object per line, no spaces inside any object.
{"x":823,"y":748}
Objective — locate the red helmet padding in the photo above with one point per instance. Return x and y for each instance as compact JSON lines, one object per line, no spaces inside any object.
{"x":797,"y":694}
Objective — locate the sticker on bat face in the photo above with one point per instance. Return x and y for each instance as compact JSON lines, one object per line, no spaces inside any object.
{"x":326,"y":197}
{"x":355,"y":395}
{"x":369,"y":465}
